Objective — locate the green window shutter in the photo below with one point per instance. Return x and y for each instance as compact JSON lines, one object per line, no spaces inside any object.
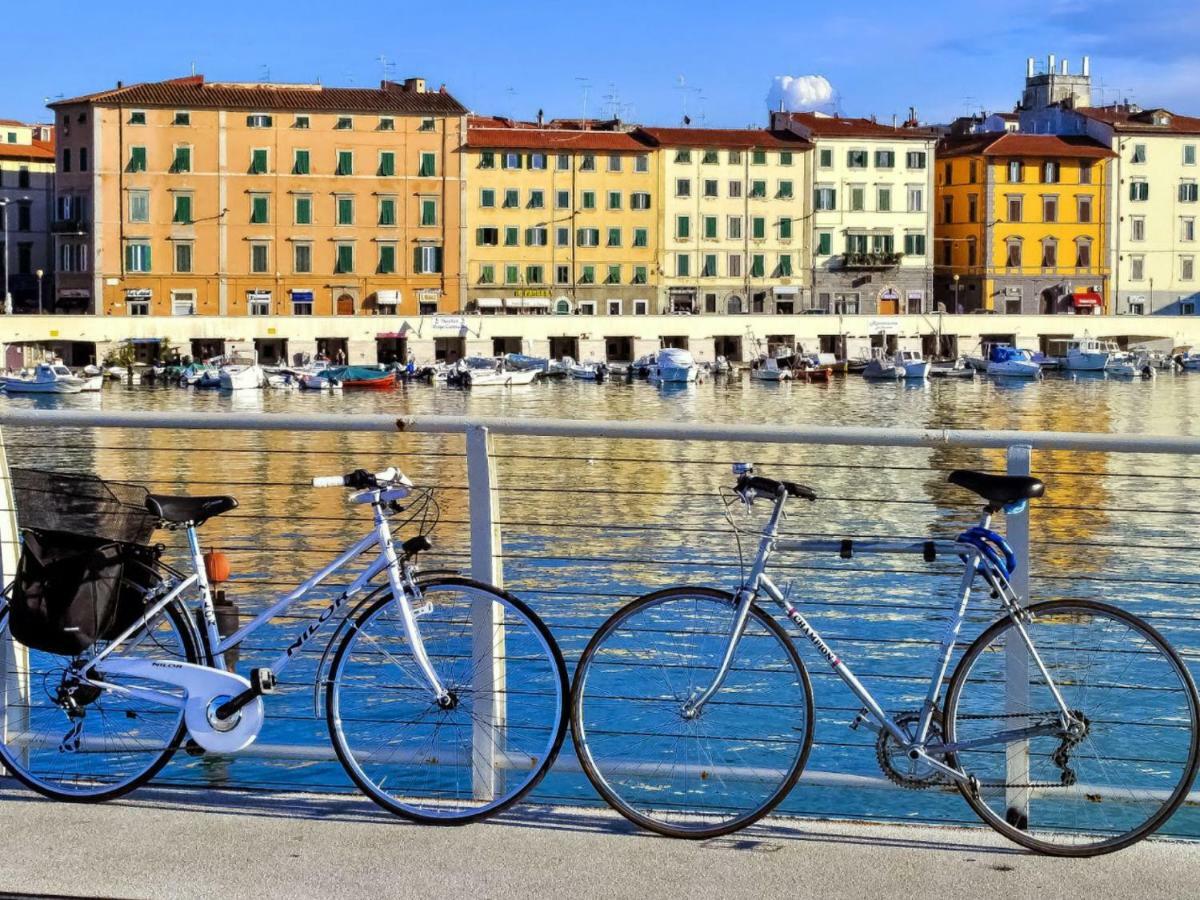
{"x":387,"y":259}
{"x":303,"y":211}
{"x":683,"y":227}
{"x":345,"y":162}
{"x":758,"y":228}
{"x":345,"y":211}
{"x":183,"y":160}
{"x":387,"y":163}
{"x":258,"y":162}
{"x":429,"y":166}
{"x":258,"y":210}
{"x":710,"y":226}
{"x":785,"y":265}
{"x":183,"y":209}
{"x":824,"y":243}
{"x":345,"y":259}
{"x":129,"y":257}
{"x":137,"y":159}
{"x":785,"y":229}
{"x":387,"y":211}
{"x":301,"y":167}
{"x":428,"y":212}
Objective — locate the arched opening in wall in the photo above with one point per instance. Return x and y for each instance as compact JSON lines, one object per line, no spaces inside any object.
{"x":734,"y":305}
{"x":344,"y":305}
{"x":562,"y":307}
{"x":1049,"y":304}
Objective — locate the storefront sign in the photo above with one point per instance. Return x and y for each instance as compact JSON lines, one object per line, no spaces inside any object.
{"x":532,"y":292}
{"x":258,"y":295}
{"x":883,"y":326}
{"x":449,"y":323}
{"x":74,"y":293}
{"x":138,"y":294}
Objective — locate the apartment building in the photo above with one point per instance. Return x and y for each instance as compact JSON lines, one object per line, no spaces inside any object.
{"x":196,"y":198}
{"x":734,"y":220}
{"x":872,"y":223}
{"x":562,"y":218}
{"x":26,"y":196}
{"x":1021,"y":225}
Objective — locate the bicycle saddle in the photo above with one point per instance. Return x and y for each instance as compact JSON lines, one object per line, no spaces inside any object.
{"x":998,"y":490}
{"x":196,"y":510}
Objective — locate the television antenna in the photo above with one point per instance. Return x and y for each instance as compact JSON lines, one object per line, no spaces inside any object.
{"x":585,"y":85}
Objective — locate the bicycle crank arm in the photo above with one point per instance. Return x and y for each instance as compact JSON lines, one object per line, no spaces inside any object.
{"x":204,"y":690}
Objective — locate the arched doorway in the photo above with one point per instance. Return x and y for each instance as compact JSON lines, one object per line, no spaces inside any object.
{"x":734,"y":305}
{"x":345,"y":305}
{"x":562,"y":307}
{"x":1049,"y":302}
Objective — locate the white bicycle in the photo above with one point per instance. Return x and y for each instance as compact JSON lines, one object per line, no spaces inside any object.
{"x":445,"y":698}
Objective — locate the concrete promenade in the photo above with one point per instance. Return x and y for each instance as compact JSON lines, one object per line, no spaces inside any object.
{"x":176,"y":843}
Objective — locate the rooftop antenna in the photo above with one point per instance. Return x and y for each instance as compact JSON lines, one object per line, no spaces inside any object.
{"x":385,"y":64}
{"x":266,"y":70}
{"x":193,"y":68}
{"x":512,"y":94}
{"x":612,"y":102}
{"x":586,"y":84}
{"x":700,"y":99}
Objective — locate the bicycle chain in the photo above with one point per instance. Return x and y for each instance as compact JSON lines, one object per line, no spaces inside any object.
{"x":1068,"y":742}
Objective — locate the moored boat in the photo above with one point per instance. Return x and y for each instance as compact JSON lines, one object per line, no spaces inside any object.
{"x":674,"y":366}
{"x":362,"y":377}
{"x":47,"y":378}
{"x":912,"y":364}
{"x":881,"y":368}
{"x":768,"y":369}
{"x":1009,"y":362}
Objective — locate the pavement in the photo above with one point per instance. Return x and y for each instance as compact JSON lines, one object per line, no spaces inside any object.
{"x":226,"y":844}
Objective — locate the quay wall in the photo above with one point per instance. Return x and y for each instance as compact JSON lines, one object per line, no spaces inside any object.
{"x":364,"y":339}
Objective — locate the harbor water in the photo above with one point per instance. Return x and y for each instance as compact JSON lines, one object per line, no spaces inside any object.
{"x":589,"y":524}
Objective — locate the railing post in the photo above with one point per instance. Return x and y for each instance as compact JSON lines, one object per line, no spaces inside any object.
{"x":1016,"y":655}
{"x":487,"y":618}
{"x":13,"y":657}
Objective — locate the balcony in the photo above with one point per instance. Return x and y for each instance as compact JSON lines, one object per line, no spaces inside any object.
{"x":870,"y":260}
{"x":70,"y":225}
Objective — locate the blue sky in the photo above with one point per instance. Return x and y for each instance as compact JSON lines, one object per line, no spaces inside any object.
{"x":946,"y":58}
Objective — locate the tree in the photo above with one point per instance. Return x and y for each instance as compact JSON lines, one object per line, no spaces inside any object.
{"x":123,"y":355}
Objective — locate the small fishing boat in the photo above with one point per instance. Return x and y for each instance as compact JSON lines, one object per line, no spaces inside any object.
{"x":881,"y":368}
{"x":956,"y":369}
{"x":912,"y":364}
{"x":92,"y":383}
{"x":1084,"y":355}
{"x":315,"y":381}
{"x":91,"y":370}
{"x":499,"y":376}
{"x":585,"y":371}
{"x":1009,"y":362}
{"x":362,"y":377}
{"x":47,"y":378}
{"x":674,"y":366}
{"x":768,"y":369}
{"x":519,"y":362}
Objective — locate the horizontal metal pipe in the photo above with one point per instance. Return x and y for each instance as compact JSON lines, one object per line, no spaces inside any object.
{"x":627,"y":430}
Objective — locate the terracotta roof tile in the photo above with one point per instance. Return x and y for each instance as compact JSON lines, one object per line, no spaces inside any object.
{"x":36,"y":152}
{"x":194,"y":93}
{"x":1124,"y":119}
{"x":551,"y":139}
{"x":743,"y":138}
{"x":837,"y":126}
{"x":1024,"y":145}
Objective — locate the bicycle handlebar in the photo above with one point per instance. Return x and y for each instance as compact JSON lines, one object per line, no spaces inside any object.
{"x":360,"y":479}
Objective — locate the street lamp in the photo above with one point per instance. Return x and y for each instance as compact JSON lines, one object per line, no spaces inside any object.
{"x":957,"y":288}
{"x":8,"y":308}
{"x":40,"y":273}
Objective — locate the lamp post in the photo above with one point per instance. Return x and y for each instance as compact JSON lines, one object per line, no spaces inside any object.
{"x":7,"y":296}
{"x":957,"y":288}
{"x":40,"y":273}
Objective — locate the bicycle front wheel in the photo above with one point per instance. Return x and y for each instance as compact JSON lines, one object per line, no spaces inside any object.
{"x":685,"y":775}
{"x":1108,"y":781}
{"x":474,"y":756}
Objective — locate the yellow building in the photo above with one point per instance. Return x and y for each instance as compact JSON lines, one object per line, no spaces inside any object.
{"x":561,"y":218}
{"x":26,"y":198}
{"x":1020,"y":224}
{"x":191,"y":198}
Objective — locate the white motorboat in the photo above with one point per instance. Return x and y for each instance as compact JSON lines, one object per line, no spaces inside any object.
{"x":674,"y":366}
{"x":500,"y":377}
{"x":956,"y":369}
{"x":768,"y":369}
{"x":116,"y":373}
{"x":47,"y":378}
{"x":1130,"y":365}
{"x":90,"y":370}
{"x":1084,"y":355}
{"x":241,"y":376}
{"x":1009,"y":362}
{"x":312,"y":381}
{"x":92,"y":383}
{"x":912,"y":364}
{"x":881,"y":368}
{"x":585,"y":371}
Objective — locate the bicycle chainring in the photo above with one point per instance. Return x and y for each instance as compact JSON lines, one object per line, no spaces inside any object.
{"x":894,"y":762}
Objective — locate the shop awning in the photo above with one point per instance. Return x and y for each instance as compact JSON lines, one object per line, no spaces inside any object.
{"x":1089,"y":299}
{"x":387,"y":298}
{"x":786,"y":291}
{"x":514,"y":302}
{"x":489,"y":302}
{"x":537,"y":302}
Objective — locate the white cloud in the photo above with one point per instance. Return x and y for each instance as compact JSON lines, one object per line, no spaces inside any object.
{"x":799,"y":93}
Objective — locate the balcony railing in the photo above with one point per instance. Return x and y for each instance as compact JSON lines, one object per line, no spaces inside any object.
{"x":870,"y":260}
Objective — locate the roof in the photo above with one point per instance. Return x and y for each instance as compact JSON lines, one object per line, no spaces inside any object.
{"x":1140,"y":121}
{"x":14,"y":122}
{"x":38,"y":151}
{"x":740,"y":138}
{"x":1015,"y":145}
{"x":837,"y":126}
{"x":526,"y":137}
{"x":193,"y":92}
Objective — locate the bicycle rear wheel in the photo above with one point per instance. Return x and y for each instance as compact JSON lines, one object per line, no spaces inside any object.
{"x":72,"y":741}
{"x":1114,"y":781}
{"x":701,"y":776}
{"x":458,"y":763}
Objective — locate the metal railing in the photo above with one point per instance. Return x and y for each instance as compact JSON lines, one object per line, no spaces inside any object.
{"x":576,"y":566}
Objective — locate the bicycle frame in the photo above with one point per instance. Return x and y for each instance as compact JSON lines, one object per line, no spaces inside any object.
{"x":400,"y":577}
{"x":983,"y":552}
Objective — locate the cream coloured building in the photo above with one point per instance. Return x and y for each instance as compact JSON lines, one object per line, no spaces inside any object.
{"x":872,"y":222}
{"x":26,"y":198}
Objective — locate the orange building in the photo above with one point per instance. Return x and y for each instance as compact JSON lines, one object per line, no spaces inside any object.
{"x":186,"y":197}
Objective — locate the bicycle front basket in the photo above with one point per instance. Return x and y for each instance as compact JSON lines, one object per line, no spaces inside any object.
{"x":81,"y":504}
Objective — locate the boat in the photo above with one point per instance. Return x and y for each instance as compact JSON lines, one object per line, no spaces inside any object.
{"x":92,"y":370}
{"x":191,"y":375}
{"x":720,"y":366}
{"x":640,"y":367}
{"x":674,"y":366}
{"x":241,"y":376}
{"x":956,"y":369}
{"x":371,"y":378}
{"x":912,"y":364}
{"x":1131,"y":365}
{"x":92,"y":383}
{"x":499,"y":376}
{"x":585,"y":371}
{"x":116,"y":372}
{"x":768,"y":369}
{"x":880,"y":368}
{"x":209,"y":378}
{"x":1084,"y":354}
{"x":315,"y":381}
{"x":519,"y":362}
{"x":1009,"y":362}
{"x":47,"y":378}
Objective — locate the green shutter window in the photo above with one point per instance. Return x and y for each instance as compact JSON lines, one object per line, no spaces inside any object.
{"x":387,"y":259}
{"x":710,"y":226}
{"x":387,"y":163}
{"x":345,"y":259}
{"x":345,"y":210}
{"x":757,"y":265}
{"x":589,"y":199}
{"x":183,"y":160}
{"x":511,"y":274}
{"x":183,"y":209}
{"x":785,"y":265}
{"x":137,"y":159}
{"x":785,"y":190}
{"x":487,"y":198}
{"x":614,"y":275}
{"x":303,"y":210}
{"x":428,"y":165}
{"x":301,"y":167}
{"x":487,"y":274}
{"x":428,"y":211}
{"x":824,"y":243}
{"x":758,"y":228}
{"x":258,"y":162}
{"x":683,"y":227}
{"x":639,"y":274}
{"x":387,"y":211}
{"x":345,"y":162}
{"x":258,"y":210}
{"x":785,"y":229}
{"x":487,"y":160}
{"x":640,"y":237}
{"x":758,"y":157}
{"x":614,"y":237}
{"x":588,"y":276}
{"x":512,"y":236}
{"x":785,"y":157}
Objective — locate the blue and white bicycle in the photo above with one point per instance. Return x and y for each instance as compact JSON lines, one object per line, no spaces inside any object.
{"x":1069,"y":726}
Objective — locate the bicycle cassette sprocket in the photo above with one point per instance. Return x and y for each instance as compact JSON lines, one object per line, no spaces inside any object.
{"x":910,"y":774}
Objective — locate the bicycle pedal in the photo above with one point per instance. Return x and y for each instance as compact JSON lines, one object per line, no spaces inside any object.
{"x":863,"y":719}
{"x":424,"y":610}
{"x":263,"y":681}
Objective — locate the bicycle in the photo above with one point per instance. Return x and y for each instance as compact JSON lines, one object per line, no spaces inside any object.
{"x":445,"y":698}
{"x":1069,"y":726}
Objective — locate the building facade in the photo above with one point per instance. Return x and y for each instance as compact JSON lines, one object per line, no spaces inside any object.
{"x":872,"y":227}
{"x":190,"y":198}
{"x":561,"y":219}
{"x":1021,"y":224}
{"x":734,"y":216}
{"x":26,"y":209}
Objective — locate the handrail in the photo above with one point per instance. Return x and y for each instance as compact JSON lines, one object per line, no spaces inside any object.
{"x":630,"y":429}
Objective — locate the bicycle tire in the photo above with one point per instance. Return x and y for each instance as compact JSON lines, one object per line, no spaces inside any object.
{"x":585,"y":752}
{"x":1010,"y":823}
{"x":556,"y":733}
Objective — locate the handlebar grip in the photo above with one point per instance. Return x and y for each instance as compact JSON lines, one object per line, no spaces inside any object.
{"x":327,"y":481}
{"x":359,"y":478}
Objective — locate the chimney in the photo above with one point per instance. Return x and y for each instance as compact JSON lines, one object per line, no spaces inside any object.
{"x":1087,"y":66}
{"x":541,"y":118}
{"x":1029,"y":67}
{"x":414,"y":85}
{"x":1065,"y":68}
{"x":1050,"y":65}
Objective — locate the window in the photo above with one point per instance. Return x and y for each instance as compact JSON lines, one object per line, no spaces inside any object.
{"x":589,"y":200}
{"x":885,"y":159}
{"x":1016,"y":208}
{"x":343,"y":123}
{"x":429,"y":212}
{"x":785,"y":229}
{"x":427,"y":124}
{"x":858,"y":198}
{"x":260,"y":254}
{"x":1084,"y":208}
{"x":1139,"y":189}
{"x":183,"y":257}
{"x":825,"y":243}
{"x":259,"y":209}
{"x":24,"y":217}
{"x":302,"y":258}
{"x":137,"y":256}
{"x":1049,"y":254}
{"x":614,"y":237}
{"x":735,"y":190}
{"x":915,"y":159}
{"x":386,"y":264}
{"x":512,"y":235}
{"x":825,"y":198}
{"x":427,"y":260}
{"x":856,"y":159}
{"x":733,"y":228}
{"x":758,"y":157}
{"x":66,"y":160}
{"x":183,"y":210}
{"x":487,"y":274}
{"x":683,"y":187}
{"x":883,"y":199}
{"x":1016,"y":172}
{"x":947,"y":209}
{"x":487,"y":159}
{"x":1187,"y":229}
{"x":428,"y":167}
{"x":512,"y":198}
{"x":1188,"y":192}
{"x":1187,"y":268}
{"x":639,"y":277}
{"x":345,"y":211}
{"x":137,"y":307}
{"x":1137,"y":228}
{"x":387,"y":123}
{"x":1050,"y":172}
{"x":183,"y":303}
{"x":387,"y":163}
{"x":23,"y":175}
{"x":588,"y":237}
{"x":683,"y":156}
{"x":258,"y":162}
{"x":487,"y":198}
{"x":1085,"y":173}
{"x":562,"y":236}
{"x":510,"y":160}
{"x":1189,"y":154}
{"x":641,"y":163}
{"x":587,"y":162}
{"x":562,"y":199}
{"x":535,"y":275}
{"x":137,"y":160}
{"x":343,"y":259}
{"x":537,"y":161}
{"x":710,"y":158}
{"x":683,"y":264}
{"x":1137,"y":268}
{"x":683,"y":227}
{"x":973,"y":172}
{"x":137,"y":117}
{"x":614,"y":162}
{"x":588,"y":275}
{"x":387,"y":211}
{"x":537,"y":236}
{"x":537,"y":199}
{"x":639,"y":200}
{"x":300,"y":163}
{"x":487,"y":236}
{"x":1139,"y":153}
{"x":914,"y":244}
{"x":884,"y":243}
{"x":259,"y":304}
{"x":614,"y":199}
{"x":785,"y":157}
{"x":734,"y":265}
{"x":182,"y":161}
{"x":613,"y":276}
{"x":1050,"y":209}
{"x":139,"y":206}
{"x":708,"y":266}
{"x":825,"y":158}
{"x":300,"y":122}
{"x":260,"y":120}
{"x":758,"y":265}
{"x":72,"y":257}
{"x":709,"y":224}
{"x":303,"y":209}
{"x":916,"y":198}
{"x":641,"y":237}
{"x":1013,"y":258}
{"x":182,"y":118}
{"x":1083,"y":254}
{"x":512,"y":274}
{"x":758,"y":190}
{"x":784,"y":267}
{"x":710,"y":187}
{"x":785,"y":190}
{"x":562,"y":274}
{"x":758,"y":228}
{"x":345,"y":162}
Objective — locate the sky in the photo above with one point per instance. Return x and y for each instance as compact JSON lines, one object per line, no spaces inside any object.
{"x":652,"y":61}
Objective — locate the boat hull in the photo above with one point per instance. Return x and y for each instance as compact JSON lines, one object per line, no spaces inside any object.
{"x":21,"y":386}
{"x":1014,"y":369}
{"x":239,"y":379}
